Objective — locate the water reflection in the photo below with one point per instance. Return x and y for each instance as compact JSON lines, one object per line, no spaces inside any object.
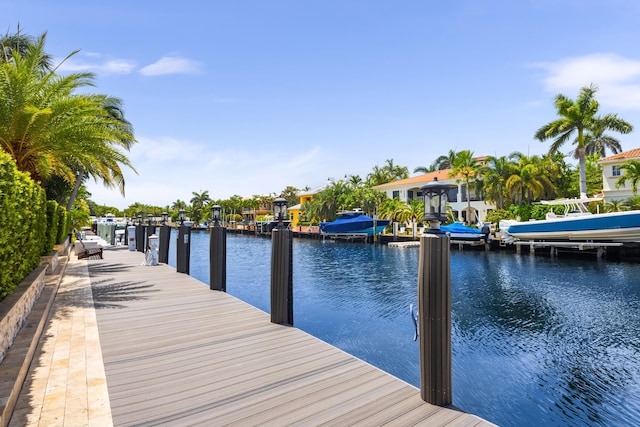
{"x":536,"y":341}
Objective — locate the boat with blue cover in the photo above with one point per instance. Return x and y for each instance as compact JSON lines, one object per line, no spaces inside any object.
{"x":576,"y":224}
{"x":354,"y":222}
{"x":461,"y":232}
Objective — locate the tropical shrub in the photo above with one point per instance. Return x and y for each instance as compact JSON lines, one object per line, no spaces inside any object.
{"x":23,"y":224}
{"x":52,"y":226}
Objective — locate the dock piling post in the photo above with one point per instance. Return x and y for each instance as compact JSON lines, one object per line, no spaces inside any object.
{"x":165,"y":241}
{"x":434,"y":319}
{"x":282,"y":276}
{"x":218,"y":259}
{"x":183,"y":249}
{"x":140,"y":238}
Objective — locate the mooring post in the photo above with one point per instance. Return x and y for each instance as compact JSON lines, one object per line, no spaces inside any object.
{"x":434,"y":319}
{"x":282,"y":276}
{"x":140,"y":237}
{"x":183,"y":249}
{"x":165,"y":241}
{"x":217,"y":253}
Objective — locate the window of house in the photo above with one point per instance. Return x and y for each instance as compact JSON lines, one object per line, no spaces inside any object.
{"x":396,"y":194}
{"x":615,"y":170}
{"x":410,"y":194}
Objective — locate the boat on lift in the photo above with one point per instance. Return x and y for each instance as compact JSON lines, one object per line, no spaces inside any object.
{"x":576,"y":224}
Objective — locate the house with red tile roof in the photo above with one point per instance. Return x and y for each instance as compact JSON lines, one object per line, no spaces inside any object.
{"x":611,"y":172}
{"x":409,"y":189}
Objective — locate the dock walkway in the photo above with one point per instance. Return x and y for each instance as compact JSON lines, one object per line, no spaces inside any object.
{"x":127,"y":344}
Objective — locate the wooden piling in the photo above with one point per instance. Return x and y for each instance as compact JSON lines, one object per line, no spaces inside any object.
{"x":163,"y":244}
{"x":218,"y":259}
{"x":434,"y":319}
{"x":140,"y":238}
{"x":282,"y":277}
{"x":183,"y":249}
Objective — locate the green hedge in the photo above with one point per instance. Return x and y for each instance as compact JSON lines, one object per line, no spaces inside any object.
{"x":64,"y":224}
{"x":22,"y":225}
{"x":52,"y":227}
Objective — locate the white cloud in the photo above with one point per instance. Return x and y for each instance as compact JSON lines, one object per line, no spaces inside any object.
{"x":618,"y":78}
{"x":95,"y":63}
{"x":171,"y":65}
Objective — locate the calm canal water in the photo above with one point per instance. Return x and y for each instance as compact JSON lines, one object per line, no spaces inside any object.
{"x":536,"y":341}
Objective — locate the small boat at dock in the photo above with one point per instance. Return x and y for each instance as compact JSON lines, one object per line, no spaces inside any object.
{"x":355,"y":222}
{"x":460,"y":232}
{"x":576,"y":224}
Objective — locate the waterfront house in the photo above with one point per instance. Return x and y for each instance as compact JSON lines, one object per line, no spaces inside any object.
{"x":611,"y":172}
{"x":408,"y":189}
{"x":295,"y":211}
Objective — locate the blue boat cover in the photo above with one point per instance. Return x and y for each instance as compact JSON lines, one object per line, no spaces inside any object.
{"x":456,"y":227}
{"x":351,"y":223}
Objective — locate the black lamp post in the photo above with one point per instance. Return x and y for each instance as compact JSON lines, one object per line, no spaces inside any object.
{"x":281,"y":267}
{"x":217,"y":253}
{"x":216,"y":210}
{"x":434,"y":299}
{"x":140,"y":218}
{"x":280,"y":210}
{"x":165,"y":233}
{"x":183,"y":248}
{"x":435,"y":204}
{"x":149,"y":219}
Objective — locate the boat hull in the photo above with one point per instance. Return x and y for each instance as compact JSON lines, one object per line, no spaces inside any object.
{"x":610,"y":227}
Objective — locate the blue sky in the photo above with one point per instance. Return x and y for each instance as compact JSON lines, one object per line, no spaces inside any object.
{"x":247,"y":97}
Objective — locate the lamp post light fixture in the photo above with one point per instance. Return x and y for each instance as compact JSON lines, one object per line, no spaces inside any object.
{"x":215,"y":215}
{"x":140,"y":218}
{"x":165,"y":217}
{"x":435,"y":204}
{"x":149,"y":218}
{"x":280,"y":210}
{"x":182,"y":215}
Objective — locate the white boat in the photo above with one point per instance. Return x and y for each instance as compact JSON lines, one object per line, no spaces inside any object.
{"x":576,"y":224}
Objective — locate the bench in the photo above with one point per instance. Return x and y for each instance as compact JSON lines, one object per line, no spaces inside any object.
{"x":90,"y":253}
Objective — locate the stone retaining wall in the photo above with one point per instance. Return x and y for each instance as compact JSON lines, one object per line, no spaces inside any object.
{"x":15,"y":308}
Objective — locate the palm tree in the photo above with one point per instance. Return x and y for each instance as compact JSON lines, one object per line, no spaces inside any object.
{"x":377,"y":176}
{"x":50,"y":130}
{"x":445,"y":161}
{"x":631,"y":173}
{"x":615,"y":206}
{"x":579,"y":116}
{"x":424,"y":169}
{"x":528,"y":180}
{"x":395,"y":172}
{"x":596,"y":142}
{"x":20,"y":43}
{"x":198,"y":203}
{"x":632,"y":203}
{"x":496,"y":171}
{"x":355,"y":180}
{"x":468,"y":167}
{"x":112,"y":172}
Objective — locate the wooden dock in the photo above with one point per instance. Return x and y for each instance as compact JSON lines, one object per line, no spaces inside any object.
{"x":177,"y":353}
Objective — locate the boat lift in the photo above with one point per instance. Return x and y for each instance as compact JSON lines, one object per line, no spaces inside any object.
{"x":581,"y":246}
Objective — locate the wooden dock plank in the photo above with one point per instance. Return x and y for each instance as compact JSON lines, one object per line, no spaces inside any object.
{"x":176,"y":352}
